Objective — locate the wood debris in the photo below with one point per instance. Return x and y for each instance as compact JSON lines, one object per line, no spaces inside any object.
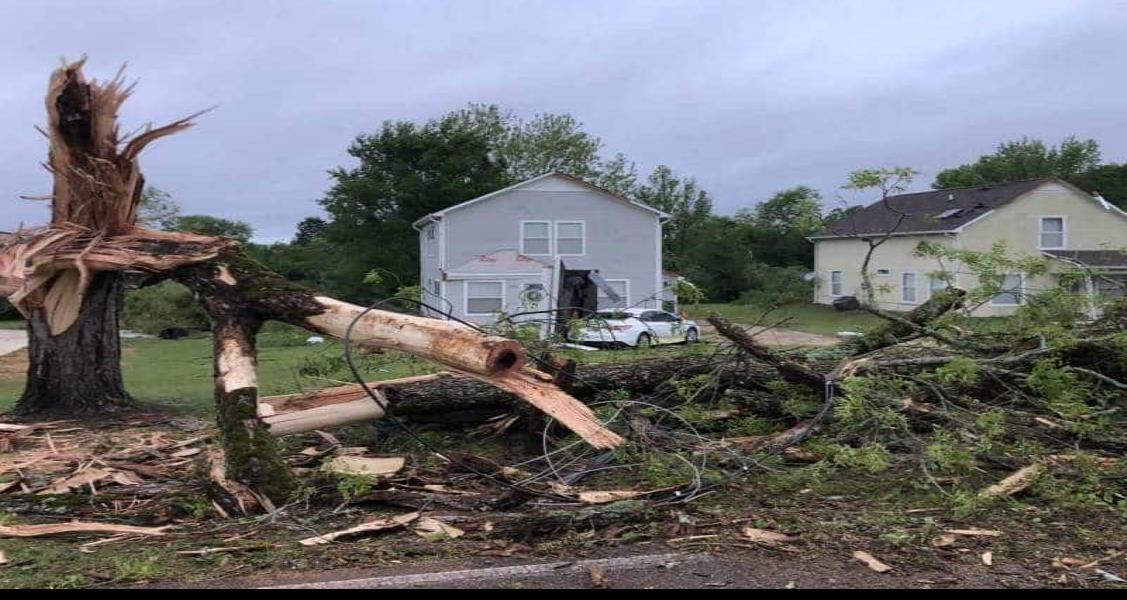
{"x":367,"y":466}
{"x":376,"y":526}
{"x":975,"y":532}
{"x":988,"y":559}
{"x":767,"y":537}
{"x":434,"y":530}
{"x":871,"y":561}
{"x":606,"y":497}
{"x":33,"y":531}
{"x":87,"y":479}
{"x":3,"y":559}
{"x":1017,"y":482}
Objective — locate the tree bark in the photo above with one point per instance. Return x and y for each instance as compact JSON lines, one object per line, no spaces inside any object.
{"x":78,"y":371}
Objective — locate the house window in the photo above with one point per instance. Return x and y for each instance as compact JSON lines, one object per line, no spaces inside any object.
{"x":484,"y":297}
{"x":1052,"y":233}
{"x":908,"y":288}
{"x":569,"y":238}
{"x":620,"y":287}
{"x":431,"y":240}
{"x":835,"y":283}
{"x":1011,"y":292}
{"x":884,"y":272}
{"x":535,"y":237}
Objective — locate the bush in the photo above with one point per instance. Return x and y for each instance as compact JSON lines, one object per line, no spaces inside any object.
{"x":167,"y":304}
{"x":776,"y":286}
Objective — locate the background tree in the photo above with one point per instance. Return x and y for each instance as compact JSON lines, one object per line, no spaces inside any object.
{"x":406,"y":171}
{"x":689,"y":206}
{"x":781,"y":225}
{"x":214,"y":226}
{"x":1024,"y":159}
{"x":157,"y":210}
{"x":888,"y":182}
{"x":1109,"y":180}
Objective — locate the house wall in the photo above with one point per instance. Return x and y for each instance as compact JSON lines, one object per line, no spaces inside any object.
{"x":430,"y":272}
{"x":622,"y":241}
{"x":1088,"y":226}
{"x":896,"y":255}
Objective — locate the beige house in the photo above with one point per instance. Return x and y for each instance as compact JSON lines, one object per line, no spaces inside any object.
{"x":1045,"y":217}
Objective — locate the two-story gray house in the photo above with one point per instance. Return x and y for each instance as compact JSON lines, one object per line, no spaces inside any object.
{"x":553,"y":243}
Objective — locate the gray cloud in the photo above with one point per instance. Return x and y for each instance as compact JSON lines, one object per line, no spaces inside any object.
{"x":747,"y":97}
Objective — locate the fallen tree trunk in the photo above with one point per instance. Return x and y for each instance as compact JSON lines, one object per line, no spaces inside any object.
{"x":451,"y":397}
{"x":239,"y":294}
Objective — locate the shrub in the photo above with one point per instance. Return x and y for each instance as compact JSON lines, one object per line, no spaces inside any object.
{"x":776,"y":286}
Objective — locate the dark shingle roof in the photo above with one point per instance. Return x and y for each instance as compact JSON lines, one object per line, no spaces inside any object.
{"x":1093,"y":258}
{"x":936,"y":211}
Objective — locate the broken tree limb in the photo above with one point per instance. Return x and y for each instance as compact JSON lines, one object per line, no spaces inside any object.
{"x":790,"y":370}
{"x":31,"y":531}
{"x":912,"y":324}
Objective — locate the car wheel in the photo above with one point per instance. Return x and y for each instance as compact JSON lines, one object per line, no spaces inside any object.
{"x":644,"y":341}
{"x":692,"y":336}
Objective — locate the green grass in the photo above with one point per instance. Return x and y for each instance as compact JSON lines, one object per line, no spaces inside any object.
{"x":12,"y":324}
{"x":177,"y":375}
{"x":811,"y":318}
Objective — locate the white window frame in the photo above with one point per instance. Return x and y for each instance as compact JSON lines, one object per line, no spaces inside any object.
{"x":550,"y":238}
{"x":625,"y":296}
{"x":1041,"y":232}
{"x":1019,"y":293}
{"x":840,"y":284}
{"x":582,"y":237}
{"x":430,"y":239}
{"x":466,"y":296}
{"x":915,"y":288}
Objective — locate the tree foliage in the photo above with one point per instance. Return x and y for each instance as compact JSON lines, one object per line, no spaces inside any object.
{"x":214,"y":226}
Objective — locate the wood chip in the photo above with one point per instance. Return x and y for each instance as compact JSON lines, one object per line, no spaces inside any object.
{"x":363,"y":465}
{"x":3,"y":559}
{"x":32,"y":531}
{"x":11,"y":428}
{"x":943,"y":541}
{"x":88,"y":477}
{"x":763,"y":536}
{"x":598,"y":577}
{"x":434,"y":530}
{"x":988,"y":559}
{"x":606,"y":497}
{"x":1018,"y":481}
{"x":975,"y":532}
{"x":365,"y":528}
{"x":186,"y":453}
{"x":871,"y":561}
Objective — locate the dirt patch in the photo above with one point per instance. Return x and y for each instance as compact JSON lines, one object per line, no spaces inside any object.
{"x":777,"y":337}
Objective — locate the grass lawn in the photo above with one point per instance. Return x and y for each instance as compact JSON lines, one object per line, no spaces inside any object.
{"x":12,"y":324}
{"x":177,"y":375}
{"x":811,"y":318}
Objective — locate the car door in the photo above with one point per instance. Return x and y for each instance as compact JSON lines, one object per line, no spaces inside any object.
{"x":657,"y":325}
{"x":676,"y":328}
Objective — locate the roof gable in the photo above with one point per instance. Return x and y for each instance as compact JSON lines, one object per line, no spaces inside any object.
{"x":548,"y":182}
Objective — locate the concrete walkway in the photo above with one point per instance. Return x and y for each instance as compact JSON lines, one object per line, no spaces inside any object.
{"x":12,"y":340}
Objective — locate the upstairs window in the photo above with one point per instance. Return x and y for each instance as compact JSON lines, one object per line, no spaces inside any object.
{"x":570,"y":238}
{"x":1052,"y":233}
{"x":535,"y":237}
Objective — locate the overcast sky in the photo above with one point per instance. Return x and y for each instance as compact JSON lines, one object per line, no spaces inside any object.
{"x":747,"y":97}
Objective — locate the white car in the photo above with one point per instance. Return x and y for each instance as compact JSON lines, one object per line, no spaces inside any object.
{"x":636,"y":327}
